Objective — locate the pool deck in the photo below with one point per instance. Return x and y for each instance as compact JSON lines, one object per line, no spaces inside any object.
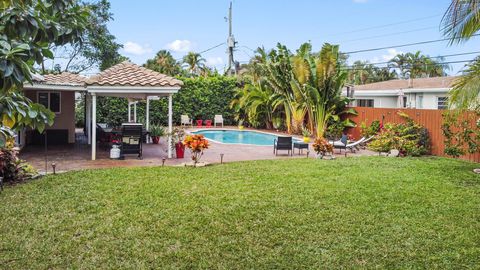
{"x":77,"y":156}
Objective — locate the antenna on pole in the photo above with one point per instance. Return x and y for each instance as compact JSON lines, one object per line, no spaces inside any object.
{"x":231,"y":44}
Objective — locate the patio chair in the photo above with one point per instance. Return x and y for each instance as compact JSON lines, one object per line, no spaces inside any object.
{"x":185,"y":120}
{"x":208,"y":123}
{"x":131,"y":140}
{"x":199,"y":123}
{"x":343,"y":144}
{"x":283,"y":143}
{"x":218,"y":120}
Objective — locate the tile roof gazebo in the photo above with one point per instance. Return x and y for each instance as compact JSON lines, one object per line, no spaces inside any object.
{"x":135,"y":83}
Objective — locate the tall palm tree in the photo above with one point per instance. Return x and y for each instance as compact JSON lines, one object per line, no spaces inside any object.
{"x":460,"y":23}
{"x":194,"y":62}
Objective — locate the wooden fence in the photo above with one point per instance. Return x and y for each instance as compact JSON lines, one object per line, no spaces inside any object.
{"x":431,"y":119}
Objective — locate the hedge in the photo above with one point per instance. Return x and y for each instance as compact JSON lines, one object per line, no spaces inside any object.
{"x":199,"y":98}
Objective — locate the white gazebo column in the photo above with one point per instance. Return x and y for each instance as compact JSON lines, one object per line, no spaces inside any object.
{"x":135,"y":112}
{"x":88,"y":117}
{"x":147,"y":117}
{"x":94,"y":127}
{"x":129,"y":112}
{"x":170,"y":127}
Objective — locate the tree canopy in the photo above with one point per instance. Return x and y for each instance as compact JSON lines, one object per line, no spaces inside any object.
{"x":28,"y":29}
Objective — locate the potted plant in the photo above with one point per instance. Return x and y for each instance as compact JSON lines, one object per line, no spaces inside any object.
{"x":306,"y":135}
{"x":156,"y":132}
{"x":240,"y":125}
{"x":322,"y":148}
{"x":177,"y":137}
{"x":197,"y":144}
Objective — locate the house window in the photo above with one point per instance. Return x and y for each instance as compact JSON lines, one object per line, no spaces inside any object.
{"x":442,"y":103}
{"x":404,"y":102}
{"x":419,"y":102}
{"x":365,"y":102}
{"x":50,"y":100}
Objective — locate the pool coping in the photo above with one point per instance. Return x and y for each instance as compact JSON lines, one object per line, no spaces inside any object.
{"x":233,"y":129}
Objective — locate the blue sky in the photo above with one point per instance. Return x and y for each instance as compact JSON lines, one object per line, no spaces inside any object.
{"x":146,"y":26}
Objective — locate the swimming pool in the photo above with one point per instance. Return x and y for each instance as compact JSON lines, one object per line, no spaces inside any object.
{"x":238,"y":137}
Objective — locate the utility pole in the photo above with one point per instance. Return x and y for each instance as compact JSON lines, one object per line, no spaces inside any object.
{"x":231,"y":44}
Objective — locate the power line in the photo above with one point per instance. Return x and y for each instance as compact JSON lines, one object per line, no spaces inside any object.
{"x":388,"y":35}
{"x":402,"y":45}
{"x":385,"y":25}
{"x":426,"y":64}
{"x":440,"y":56}
{"x":204,"y":51}
{"x":214,"y":47}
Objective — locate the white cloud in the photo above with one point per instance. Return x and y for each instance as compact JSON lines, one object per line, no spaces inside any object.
{"x":136,"y":49}
{"x":391,"y":53}
{"x":214,"y":61}
{"x":360,"y":1}
{"x":180,"y":45}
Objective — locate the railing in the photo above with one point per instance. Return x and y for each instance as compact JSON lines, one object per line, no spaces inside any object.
{"x":430,"y":119}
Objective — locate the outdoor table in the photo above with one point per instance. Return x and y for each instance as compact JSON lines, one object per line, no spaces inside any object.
{"x":300,"y":146}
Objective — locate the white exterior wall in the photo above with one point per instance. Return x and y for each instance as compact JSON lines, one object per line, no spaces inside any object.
{"x":380,"y":102}
{"x":389,"y":98}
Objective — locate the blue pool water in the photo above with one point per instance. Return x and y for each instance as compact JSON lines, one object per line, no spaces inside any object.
{"x":238,"y":137}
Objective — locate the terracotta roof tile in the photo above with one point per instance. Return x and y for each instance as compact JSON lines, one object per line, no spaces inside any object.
{"x":64,"y":78}
{"x":420,"y":83}
{"x":129,"y":74}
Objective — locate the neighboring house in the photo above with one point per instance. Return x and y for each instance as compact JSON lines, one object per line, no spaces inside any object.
{"x":57,"y":92}
{"x":421,"y":93}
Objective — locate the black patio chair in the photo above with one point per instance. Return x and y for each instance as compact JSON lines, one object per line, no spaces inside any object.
{"x":283,"y":143}
{"x":131,"y":139}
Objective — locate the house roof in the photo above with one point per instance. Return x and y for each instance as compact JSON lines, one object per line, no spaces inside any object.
{"x":64,"y":79}
{"x":420,"y":83}
{"x":129,"y":74}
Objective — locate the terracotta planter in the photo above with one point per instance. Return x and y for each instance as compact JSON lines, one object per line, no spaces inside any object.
{"x":180,"y":149}
{"x":155,"y":139}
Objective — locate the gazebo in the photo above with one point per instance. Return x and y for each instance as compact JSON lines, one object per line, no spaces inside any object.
{"x":135,"y":83}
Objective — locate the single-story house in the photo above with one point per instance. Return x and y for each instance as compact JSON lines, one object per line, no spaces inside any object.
{"x":421,"y":93}
{"x":57,"y":92}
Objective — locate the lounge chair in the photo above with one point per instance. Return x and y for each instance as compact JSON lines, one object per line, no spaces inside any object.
{"x":283,"y":143}
{"x":208,"y":123}
{"x":343,"y":144}
{"x":131,"y":140}
{"x":218,"y":120}
{"x":185,"y":120}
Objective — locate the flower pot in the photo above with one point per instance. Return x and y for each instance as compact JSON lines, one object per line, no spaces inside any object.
{"x":180,"y":149}
{"x":306,"y":139}
{"x":155,"y":139}
{"x":241,"y":127}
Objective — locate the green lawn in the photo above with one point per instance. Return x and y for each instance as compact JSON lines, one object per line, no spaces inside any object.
{"x":299,"y":213}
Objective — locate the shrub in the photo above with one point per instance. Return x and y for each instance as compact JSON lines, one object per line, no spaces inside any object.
{"x":372,"y":130}
{"x":410,"y":138}
{"x":197,"y":144}
{"x":322,"y":147}
{"x":13,"y":169}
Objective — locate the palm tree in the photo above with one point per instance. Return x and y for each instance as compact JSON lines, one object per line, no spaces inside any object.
{"x":418,"y":65}
{"x":460,"y":23}
{"x":194,"y":62}
{"x":164,"y":62}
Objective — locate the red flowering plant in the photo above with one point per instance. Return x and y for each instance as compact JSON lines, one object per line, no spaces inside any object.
{"x":196,"y":143}
{"x":322,"y":147}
